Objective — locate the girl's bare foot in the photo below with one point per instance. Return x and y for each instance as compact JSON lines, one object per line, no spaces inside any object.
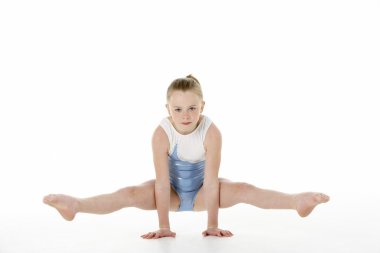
{"x":306,"y":202}
{"x":64,"y":204}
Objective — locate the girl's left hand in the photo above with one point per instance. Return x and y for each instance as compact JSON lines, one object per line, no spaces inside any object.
{"x":217,"y":232}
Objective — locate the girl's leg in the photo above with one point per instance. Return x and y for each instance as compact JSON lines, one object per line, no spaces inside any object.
{"x":140,"y":196}
{"x":232,"y":193}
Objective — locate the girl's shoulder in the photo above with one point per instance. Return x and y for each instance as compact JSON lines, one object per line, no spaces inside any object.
{"x":213,"y":135}
{"x":213,"y":131}
{"x":160,"y":137}
{"x":160,"y":142}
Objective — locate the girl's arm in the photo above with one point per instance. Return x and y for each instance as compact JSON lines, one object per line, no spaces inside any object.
{"x":160,"y":146}
{"x":213,"y":146}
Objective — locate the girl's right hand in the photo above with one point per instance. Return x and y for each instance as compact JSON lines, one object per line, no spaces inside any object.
{"x":165,"y":232}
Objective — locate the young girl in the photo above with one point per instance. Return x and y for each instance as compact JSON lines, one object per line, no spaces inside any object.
{"x":186,"y":153}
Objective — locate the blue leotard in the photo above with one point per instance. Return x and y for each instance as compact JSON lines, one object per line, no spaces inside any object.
{"x":186,"y":161}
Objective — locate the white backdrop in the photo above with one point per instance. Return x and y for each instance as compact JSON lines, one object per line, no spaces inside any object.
{"x":292,"y":85}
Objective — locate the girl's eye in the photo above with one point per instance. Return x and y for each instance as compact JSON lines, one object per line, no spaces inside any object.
{"x":192,"y":109}
{"x":177,"y":110}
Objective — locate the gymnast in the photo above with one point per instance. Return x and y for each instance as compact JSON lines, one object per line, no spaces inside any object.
{"x":186,"y":153}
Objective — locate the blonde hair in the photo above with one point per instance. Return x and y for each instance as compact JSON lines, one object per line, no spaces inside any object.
{"x":189,"y":83}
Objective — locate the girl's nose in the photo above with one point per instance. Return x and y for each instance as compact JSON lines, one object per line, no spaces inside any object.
{"x":186,"y":115}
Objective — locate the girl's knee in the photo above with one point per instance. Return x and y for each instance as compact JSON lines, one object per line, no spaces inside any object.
{"x":242,"y":190}
{"x":127,"y":192}
{"x":242,"y":187}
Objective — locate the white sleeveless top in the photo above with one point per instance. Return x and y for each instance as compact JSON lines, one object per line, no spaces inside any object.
{"x":189,"y":147}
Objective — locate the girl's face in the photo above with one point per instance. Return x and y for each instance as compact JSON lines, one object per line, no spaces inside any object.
{"x":185,"y":109}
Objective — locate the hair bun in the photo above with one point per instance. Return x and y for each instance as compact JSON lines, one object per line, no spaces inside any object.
{"x":192,"y":77}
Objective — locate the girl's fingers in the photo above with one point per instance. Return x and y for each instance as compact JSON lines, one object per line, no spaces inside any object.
{"x":218,"y":233}
{"x":226,"y":233}
{"x":144,"y":236}
{"x":148,"y":235}
{"x":158,"y":234}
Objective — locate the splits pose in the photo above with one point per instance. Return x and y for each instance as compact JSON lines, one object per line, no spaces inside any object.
{"x":186,"y":152}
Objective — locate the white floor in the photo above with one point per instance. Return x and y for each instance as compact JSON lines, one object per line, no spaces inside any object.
{"x":343,"y":225}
